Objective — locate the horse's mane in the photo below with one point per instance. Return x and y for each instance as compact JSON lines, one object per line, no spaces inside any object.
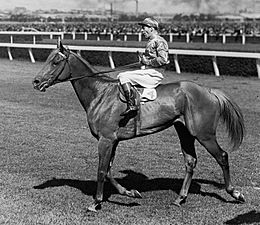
{"x":103,"y":77}
{"x":91,"y":68}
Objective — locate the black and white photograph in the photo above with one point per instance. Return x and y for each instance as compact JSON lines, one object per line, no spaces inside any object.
{"x":137,"y":112}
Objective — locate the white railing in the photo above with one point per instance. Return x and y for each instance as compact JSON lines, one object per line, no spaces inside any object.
{"x":188,"y":37}
{"x":175,"y":52}
{"x":11,"y":34}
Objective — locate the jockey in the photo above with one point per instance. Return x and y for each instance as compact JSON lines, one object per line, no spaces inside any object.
{"x":153,"y":63}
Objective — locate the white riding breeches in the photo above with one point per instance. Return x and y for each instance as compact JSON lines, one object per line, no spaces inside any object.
{"x":149,"y":78}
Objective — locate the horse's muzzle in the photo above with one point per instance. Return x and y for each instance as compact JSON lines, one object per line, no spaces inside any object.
{"x":40,"y":85}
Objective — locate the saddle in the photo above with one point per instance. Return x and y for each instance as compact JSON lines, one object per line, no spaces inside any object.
{"x":141,"y":94}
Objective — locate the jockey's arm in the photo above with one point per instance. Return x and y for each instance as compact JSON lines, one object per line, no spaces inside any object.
{"x":160,"y":59}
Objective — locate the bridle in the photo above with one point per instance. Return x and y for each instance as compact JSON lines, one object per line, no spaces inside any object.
{"x":55,"y":77}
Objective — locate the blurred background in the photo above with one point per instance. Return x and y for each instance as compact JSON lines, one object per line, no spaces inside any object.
{"x":211,"y":25}
{"x":117,"y":16}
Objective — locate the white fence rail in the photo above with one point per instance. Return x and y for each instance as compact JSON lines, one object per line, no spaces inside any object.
{"x":175,"y":52}
{"x":187,"y":36}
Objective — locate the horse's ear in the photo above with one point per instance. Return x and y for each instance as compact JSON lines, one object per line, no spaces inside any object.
{"x":60,"y":46}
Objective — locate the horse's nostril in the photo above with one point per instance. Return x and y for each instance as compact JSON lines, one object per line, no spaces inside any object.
{"x":36,"y":81}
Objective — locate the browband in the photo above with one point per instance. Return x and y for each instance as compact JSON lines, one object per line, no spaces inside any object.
{"x":64,"y":56}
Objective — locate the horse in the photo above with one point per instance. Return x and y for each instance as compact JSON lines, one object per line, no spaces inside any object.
{"x":192,"y":109}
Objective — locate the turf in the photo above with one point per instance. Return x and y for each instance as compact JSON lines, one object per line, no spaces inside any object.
{"x":49,"y":161}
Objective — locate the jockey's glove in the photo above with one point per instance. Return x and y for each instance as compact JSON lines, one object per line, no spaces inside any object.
{"x":144,"y":60}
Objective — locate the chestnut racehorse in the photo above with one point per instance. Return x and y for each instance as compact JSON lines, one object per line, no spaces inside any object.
{"x":201,"y":108}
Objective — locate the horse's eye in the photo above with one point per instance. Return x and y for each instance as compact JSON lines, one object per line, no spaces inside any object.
{"x":55,"y":62}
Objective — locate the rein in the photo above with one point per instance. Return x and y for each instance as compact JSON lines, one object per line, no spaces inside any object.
{"x":65,"y":58}
{"x":66,"y":62}
{"x":121,"y":68}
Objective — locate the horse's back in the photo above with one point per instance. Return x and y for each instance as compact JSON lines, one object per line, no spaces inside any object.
{"x":193,"y":91}
{"x":187,"y":88}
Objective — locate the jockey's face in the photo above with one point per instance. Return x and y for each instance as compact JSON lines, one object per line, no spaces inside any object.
{"x":147,"y":31}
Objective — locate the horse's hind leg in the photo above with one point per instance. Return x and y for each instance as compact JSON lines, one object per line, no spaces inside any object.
{"x":190,"y":158}
{"x":221,"y":157}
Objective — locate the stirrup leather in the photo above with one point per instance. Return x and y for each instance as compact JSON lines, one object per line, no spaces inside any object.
{"x":130,"y":98}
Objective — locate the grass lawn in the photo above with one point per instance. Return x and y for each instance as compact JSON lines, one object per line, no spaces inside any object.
{"x":49,"y":161}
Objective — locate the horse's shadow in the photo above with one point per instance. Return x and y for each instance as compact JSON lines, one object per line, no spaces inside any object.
{"x":134,"y":180}
{"x":251,"y":217}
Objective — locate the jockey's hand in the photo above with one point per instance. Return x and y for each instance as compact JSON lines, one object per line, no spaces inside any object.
{"x":140,"y":55}
{"x":144,"y":60}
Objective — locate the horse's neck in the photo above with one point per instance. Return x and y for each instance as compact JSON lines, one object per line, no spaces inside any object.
{"x":83,"y":68}
{"x":92,"y":93}
{"x":93,"y":88}
{"x":90,"y":88}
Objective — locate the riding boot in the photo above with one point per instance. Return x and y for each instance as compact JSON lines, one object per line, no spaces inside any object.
{"x":131,"y":106}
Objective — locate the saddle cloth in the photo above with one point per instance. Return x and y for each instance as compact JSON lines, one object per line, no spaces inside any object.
{"x":141,"y":94}
{"x":148,"y":94}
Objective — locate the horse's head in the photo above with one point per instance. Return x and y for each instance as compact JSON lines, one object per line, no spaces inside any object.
{"x":55,"y":70}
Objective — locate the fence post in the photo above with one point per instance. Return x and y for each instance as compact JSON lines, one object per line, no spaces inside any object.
{"x":176,"y":63}
{"x":187,"y":37}
{"x":171,"y":37}
{"x":112,"y":65}
{"x":11,"y":39}
{"x":224,"y":39}
{"x":215,"y":65}
{"x":139,"y":37}
{"x":205,"y":38}
{"x":258,"y":67}
{"x":31,"y":55}
{"x":9,"y":53}
{"x":243,"y":38}
{"x":85,"y":36}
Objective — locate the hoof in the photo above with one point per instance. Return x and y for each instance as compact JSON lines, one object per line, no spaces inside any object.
{"x":238,"y":196}
{"x":94,"y":207}
{"x":180,"y":200}
{"x":133,"y":194}
{"x":136,"y":194}
{"x":176,"y":203}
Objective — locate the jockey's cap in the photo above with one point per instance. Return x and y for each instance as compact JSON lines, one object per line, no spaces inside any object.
{"x":149,"y":22}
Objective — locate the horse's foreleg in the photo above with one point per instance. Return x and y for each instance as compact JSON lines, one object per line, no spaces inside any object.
{"x":222,"y":158}
{"x":122,"y":190}
{"x":105,"y":148}
{"x":190,"y":158}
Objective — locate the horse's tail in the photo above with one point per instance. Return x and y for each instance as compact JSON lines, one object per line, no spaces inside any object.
{"x":232,"y":117}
